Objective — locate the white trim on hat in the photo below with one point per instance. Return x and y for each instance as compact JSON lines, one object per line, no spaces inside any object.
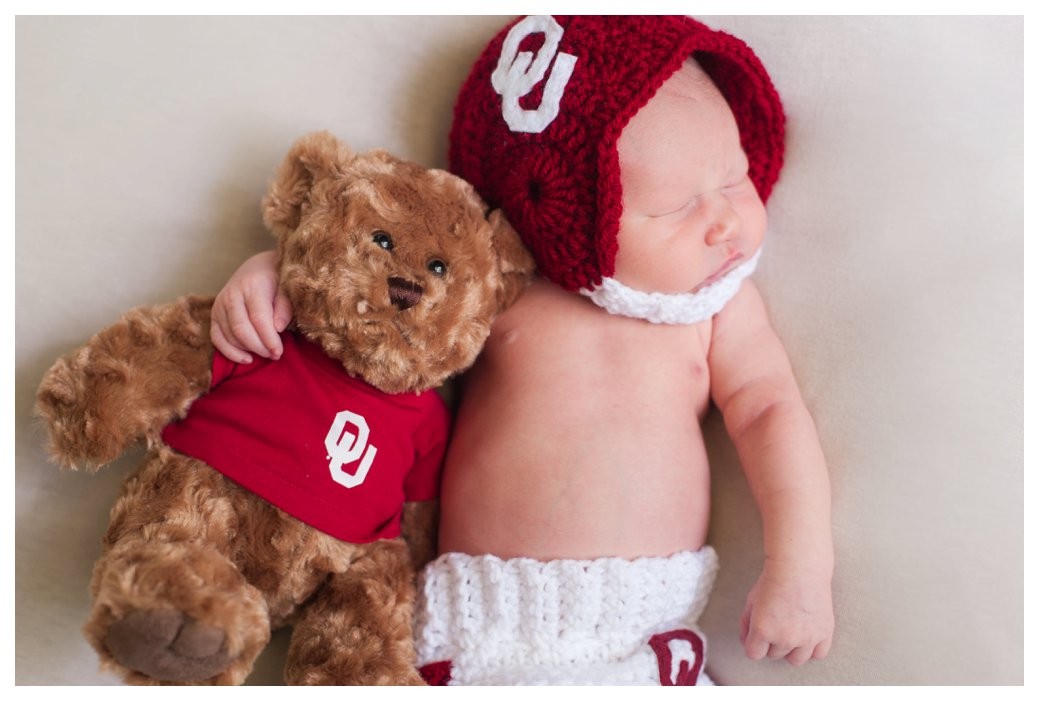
{"x":659,"y":308}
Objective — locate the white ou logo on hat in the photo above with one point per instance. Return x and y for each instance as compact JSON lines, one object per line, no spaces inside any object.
{"x":356,"y":448}
{"x":519,"y":72}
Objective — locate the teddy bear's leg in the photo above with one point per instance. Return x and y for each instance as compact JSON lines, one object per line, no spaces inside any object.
{"x":127,"y":382}
{"x":358,"y":627}
{"x":419,"y":530}
{"x":170,"y":606}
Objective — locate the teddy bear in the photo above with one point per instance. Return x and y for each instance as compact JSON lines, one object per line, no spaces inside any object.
{"x":276,"y":492}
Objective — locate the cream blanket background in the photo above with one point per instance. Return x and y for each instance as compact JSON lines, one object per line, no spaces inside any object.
{"x":893,"y":273}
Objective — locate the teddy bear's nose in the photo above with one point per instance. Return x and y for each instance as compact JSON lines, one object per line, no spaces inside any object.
{"x":404,"y":294}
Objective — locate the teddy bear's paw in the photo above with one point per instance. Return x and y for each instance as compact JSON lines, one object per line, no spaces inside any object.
{"x":168,"y":646}
{"x":79,"y":434}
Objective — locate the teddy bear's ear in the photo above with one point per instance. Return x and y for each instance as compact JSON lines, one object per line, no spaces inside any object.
{"x":311,"y":159}
{"x":515,"y":263}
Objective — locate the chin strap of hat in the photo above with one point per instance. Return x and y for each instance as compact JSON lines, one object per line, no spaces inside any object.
{"x":683,"y":308}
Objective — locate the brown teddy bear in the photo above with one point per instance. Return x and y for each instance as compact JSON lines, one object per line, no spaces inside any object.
{"x":395,"y":273}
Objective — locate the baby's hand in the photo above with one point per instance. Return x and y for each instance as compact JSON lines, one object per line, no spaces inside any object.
{"x":789,"y":614}
{"x":251,"y":311}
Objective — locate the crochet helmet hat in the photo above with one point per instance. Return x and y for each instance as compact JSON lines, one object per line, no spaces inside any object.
{"x":537,"y":122}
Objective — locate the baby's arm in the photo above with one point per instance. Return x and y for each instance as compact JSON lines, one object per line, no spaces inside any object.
{"x":789,"y":612}
{"x":251,"y":311}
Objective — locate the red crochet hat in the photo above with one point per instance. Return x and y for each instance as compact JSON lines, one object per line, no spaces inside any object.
{"x":537,"y":121}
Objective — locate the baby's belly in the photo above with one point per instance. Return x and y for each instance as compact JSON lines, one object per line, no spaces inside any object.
{"x":528,"y":477}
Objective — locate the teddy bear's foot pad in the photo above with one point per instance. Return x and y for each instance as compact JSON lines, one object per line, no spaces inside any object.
{"x":168,"y":646}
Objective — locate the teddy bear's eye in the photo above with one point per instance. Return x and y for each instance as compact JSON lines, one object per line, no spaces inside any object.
{"x":437,"y":267}
{"x":383,"y":240}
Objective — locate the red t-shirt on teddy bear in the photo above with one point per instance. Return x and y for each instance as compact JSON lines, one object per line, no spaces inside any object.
{"x":329,"y":449}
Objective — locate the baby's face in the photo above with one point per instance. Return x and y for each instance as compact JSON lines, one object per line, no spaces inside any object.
{"x":691,"y":213}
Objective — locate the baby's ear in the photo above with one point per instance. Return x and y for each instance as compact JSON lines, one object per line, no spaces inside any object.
{"x":311,"y":159}
{"x":515,"y":263}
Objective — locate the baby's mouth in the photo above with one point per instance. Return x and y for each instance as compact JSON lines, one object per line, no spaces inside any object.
{"x":726,"y":267}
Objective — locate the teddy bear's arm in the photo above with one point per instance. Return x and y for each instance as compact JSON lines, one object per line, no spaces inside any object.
{"x":127,"y":382}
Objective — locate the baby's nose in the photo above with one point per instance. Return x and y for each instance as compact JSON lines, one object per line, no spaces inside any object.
{"x":723,"y":225}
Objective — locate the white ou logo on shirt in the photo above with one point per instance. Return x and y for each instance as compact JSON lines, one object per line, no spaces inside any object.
{"x":345,"y":448}
{"x":519,"y":72}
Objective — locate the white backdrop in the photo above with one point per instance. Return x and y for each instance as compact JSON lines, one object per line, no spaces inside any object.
{"x":893,"y":274}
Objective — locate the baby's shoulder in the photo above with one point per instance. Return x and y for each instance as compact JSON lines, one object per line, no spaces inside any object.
{"x":567,"y":322}
{"x":744,"y":316}
{"x":546,"y":306}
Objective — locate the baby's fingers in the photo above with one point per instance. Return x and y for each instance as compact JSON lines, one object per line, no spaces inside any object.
{"x":231,"y":320}
{"x":226,"y":347}
{"x":282,"y":311}
{"x":755,"y":645}
{"x":798,"y":656}
{"x":822,"y":649}
{"x":260,"y":327}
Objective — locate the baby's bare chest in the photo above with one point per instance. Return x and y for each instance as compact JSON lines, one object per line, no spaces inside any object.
{"x":614,"y":371}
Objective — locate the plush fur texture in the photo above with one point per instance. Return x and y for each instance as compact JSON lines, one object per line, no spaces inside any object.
{"x":395,"y":270}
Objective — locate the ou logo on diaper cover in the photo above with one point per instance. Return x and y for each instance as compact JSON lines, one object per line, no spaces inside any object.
{"x":345,"y":448}
{"x":680,"y":657}
{"x":519,"y":72}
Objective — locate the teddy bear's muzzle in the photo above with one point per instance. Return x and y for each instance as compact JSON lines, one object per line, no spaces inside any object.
{"x":404,"y":294}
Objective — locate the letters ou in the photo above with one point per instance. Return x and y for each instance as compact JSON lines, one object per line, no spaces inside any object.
{"x":683,"y":659}
{"x":357,"y":446}
{"x":519,"y":72}
{"x":680,"y":656}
